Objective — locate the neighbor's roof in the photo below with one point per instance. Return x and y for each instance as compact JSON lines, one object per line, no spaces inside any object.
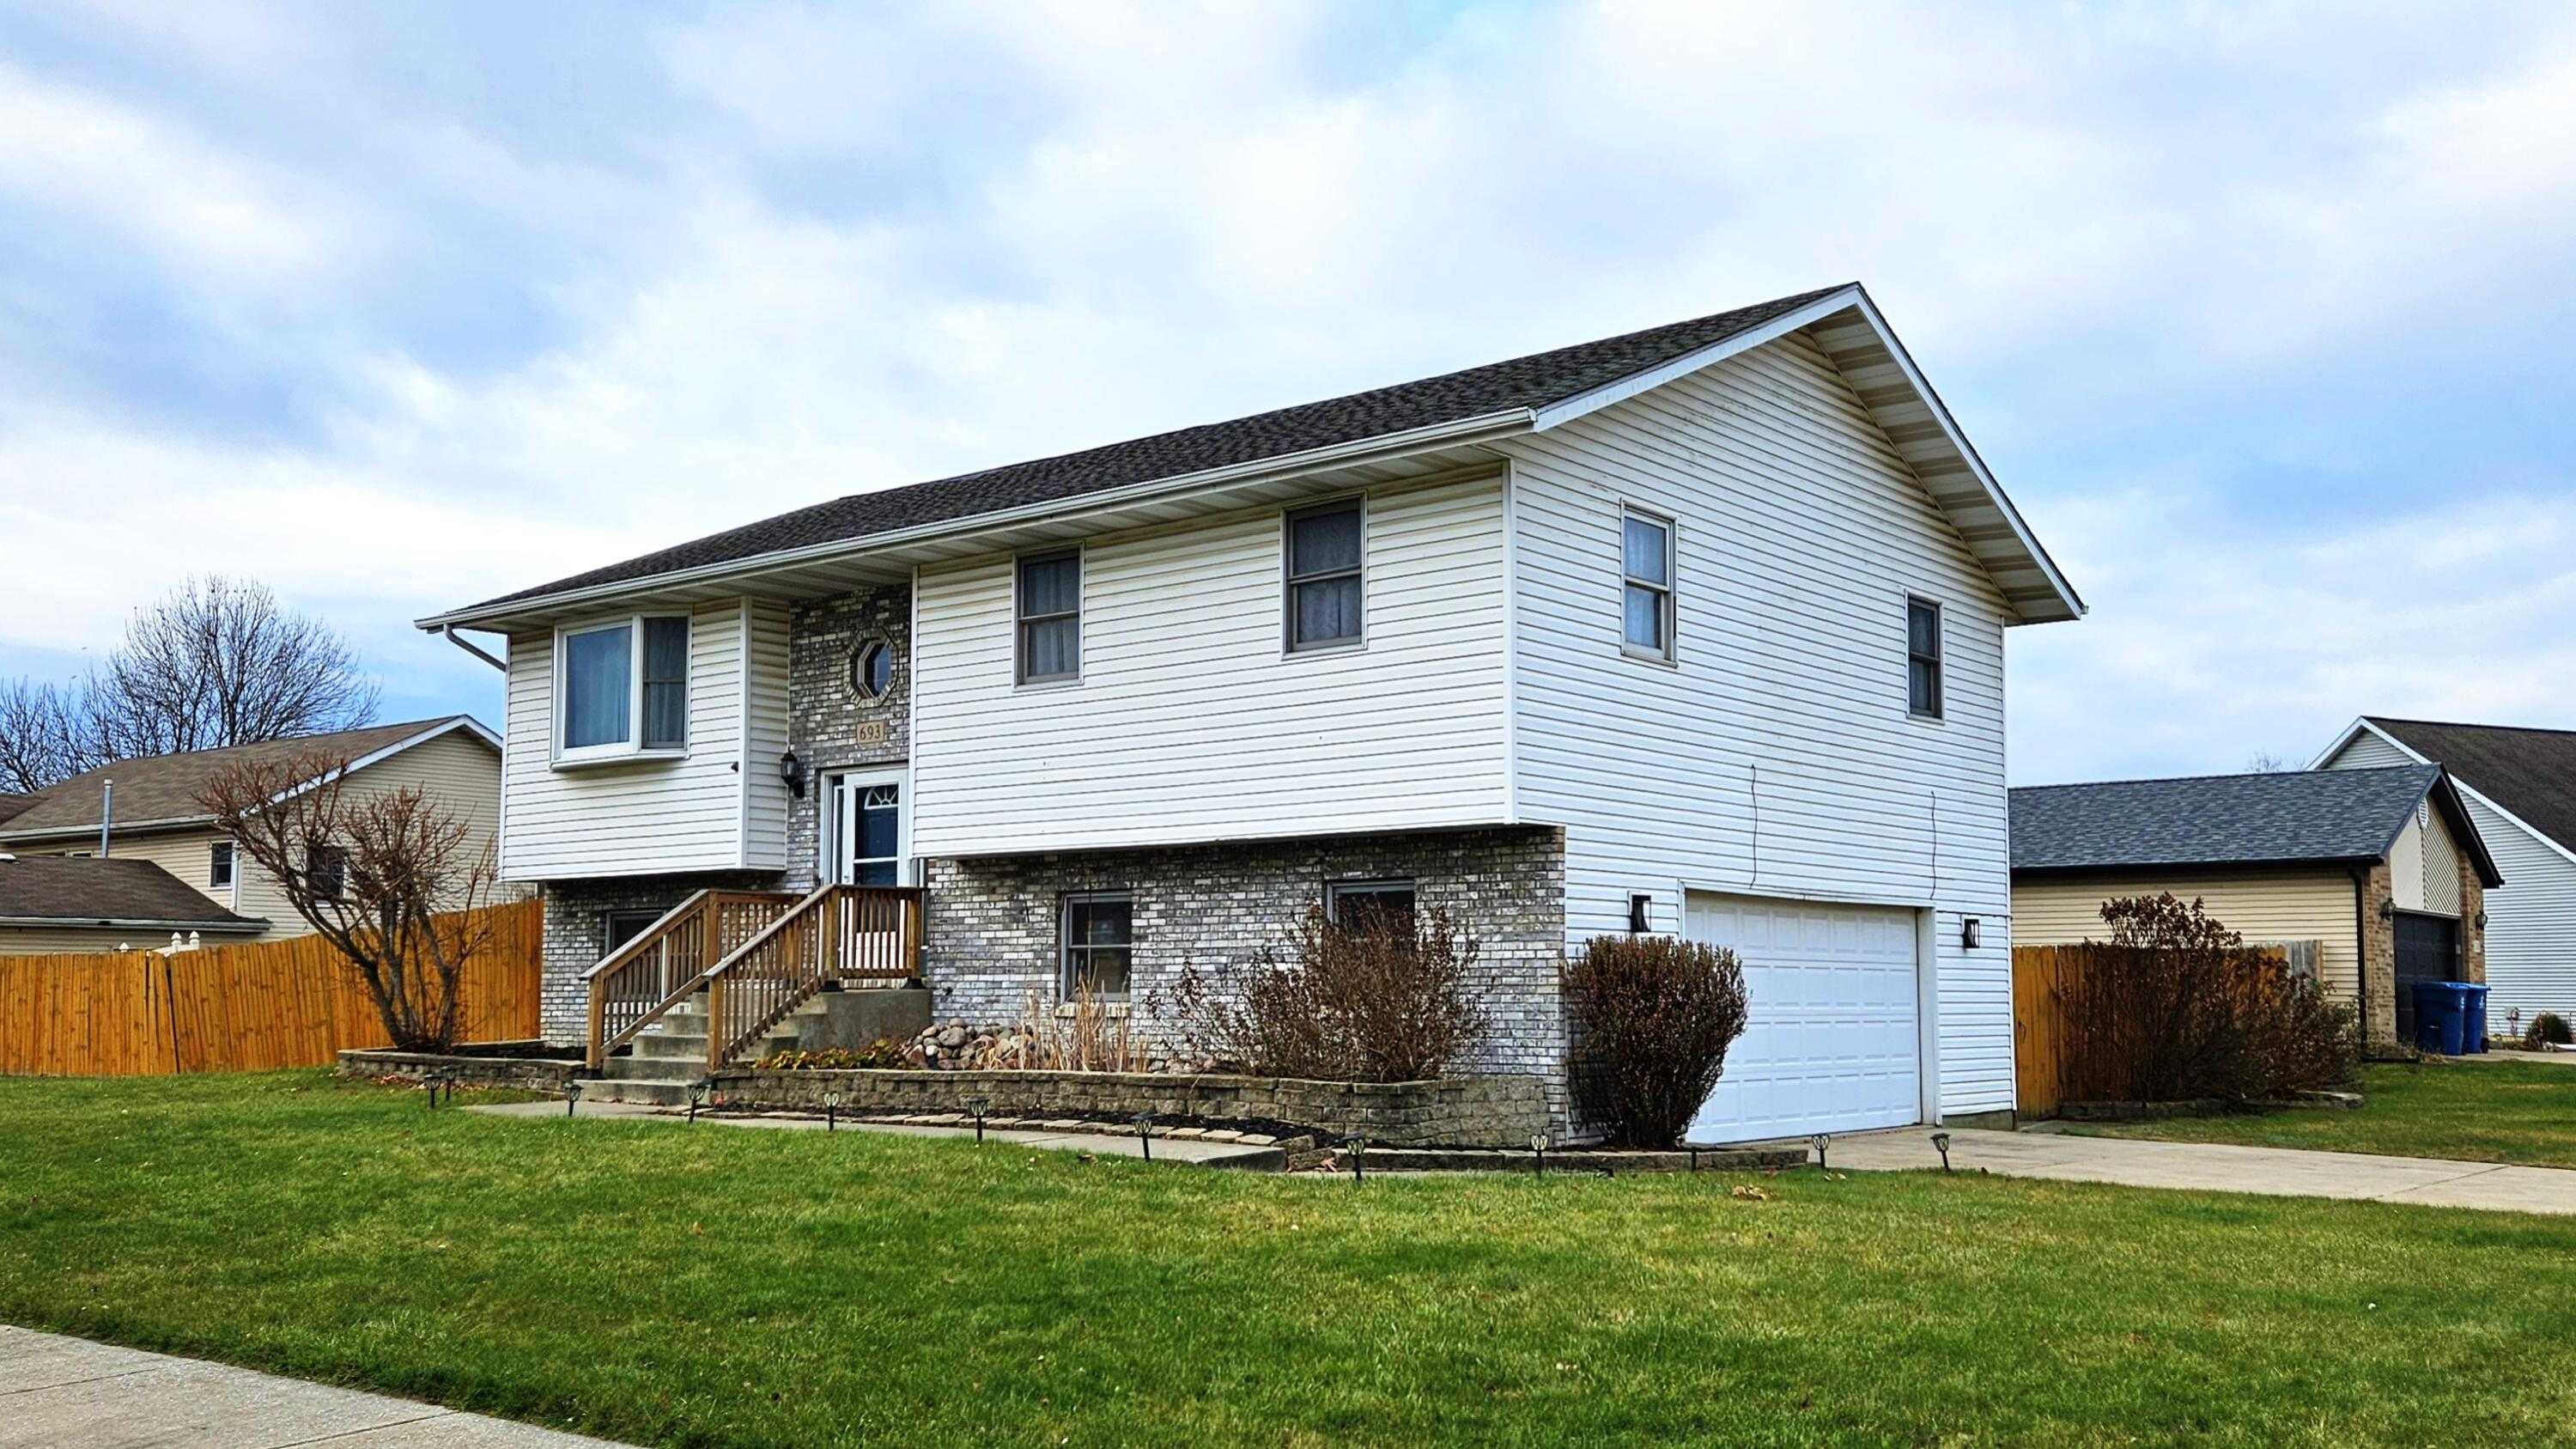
{"x":162,"y":789}
{"x":2529,"y":772}
{"x":2292,"y":817}
{"x":12,"y":805}
{"x":66,"y":890}
{"x":1516,"y":390}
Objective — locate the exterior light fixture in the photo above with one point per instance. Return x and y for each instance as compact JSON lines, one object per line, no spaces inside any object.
{"x":430,"y":1084}
{"x":572,"y":1093}
{"x":1638,"y":907}
{"x":1967,"y":933}
{"x":977,"y":1105}
{"x":2388,"y":910}
{"x":697,"y":1096}
{"x":1357,"y":1146}
{"x":1145,"y":1132}
{"x":1821,"y":1141}
{"x":792,"y":770}
{"x":2482,"y":920}
{"x":832,"y":1110}
{"x":1941,"y":1144}
{"x":1538,"y":1154}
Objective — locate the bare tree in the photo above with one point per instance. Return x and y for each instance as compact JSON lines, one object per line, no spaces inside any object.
{"x":41,"y":735}
{"x":216,"y":662}
{"x":391,"y":879}
{"x":2267,"y":763}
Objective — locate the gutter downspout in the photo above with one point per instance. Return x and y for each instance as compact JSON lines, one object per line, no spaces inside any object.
{"x":470,"y":647}
{"x":106,"y":810}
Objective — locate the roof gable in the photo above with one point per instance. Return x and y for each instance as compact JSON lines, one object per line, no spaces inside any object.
{"x":163,"y":789}
{"x":1529,"y":393}
{"x":2528,"y":773}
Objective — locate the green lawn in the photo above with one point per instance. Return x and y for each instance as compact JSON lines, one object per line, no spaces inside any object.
{"x":2475,"y":1111}
{"x":707,"y":1285}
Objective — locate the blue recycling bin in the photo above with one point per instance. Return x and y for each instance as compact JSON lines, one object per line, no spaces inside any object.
{"x":2473,"y":1018}
{"x":2438,"y":1016}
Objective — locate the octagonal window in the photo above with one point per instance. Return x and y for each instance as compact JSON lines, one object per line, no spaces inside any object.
{"x":872,"y":669}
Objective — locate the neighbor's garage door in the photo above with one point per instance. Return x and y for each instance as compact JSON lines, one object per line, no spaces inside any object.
{"x":1829,"y":1043}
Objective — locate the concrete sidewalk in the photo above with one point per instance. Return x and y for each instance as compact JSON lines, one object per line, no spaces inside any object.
{"x":57,"y":1391}
{"x":2215,"y":1167}
{"x":1250,"y":1157}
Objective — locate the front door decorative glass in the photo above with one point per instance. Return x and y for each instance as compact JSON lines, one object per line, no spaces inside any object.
{"x":871,"y":834}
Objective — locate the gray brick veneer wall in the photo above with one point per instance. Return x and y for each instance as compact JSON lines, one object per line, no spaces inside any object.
{"x":991,"y":941}
{"x":824,"y":712}
{"x":574,"y":931}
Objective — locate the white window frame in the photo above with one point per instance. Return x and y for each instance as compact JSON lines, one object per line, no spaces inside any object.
{"x":225,"y":851}
{"x":1939,"y":659}
{"x":894,"y":669}
{"x":1064,"y":947}
{"x":633,"y":746}
{"x":1670,"y":588}
{"x":1020,"y":676}
{"x":828,"y":838}
{"x":1288,"y":580}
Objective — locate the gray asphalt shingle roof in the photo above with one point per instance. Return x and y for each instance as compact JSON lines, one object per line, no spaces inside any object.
{"x":1536,"y":381}
{"x":82,"y":890}
{"x":2530,"y":772}
{"x":2304,"y":815}
{"x":164,"y":787}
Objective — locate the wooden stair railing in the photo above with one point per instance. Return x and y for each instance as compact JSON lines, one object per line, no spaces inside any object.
{"x":840,"y":932}
{"x":664,"y":965}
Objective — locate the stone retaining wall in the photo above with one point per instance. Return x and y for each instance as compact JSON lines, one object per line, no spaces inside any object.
{"x":531,"y":1074}
{"x":1459,"y":1112}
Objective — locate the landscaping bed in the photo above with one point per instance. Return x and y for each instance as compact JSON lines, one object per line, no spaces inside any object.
{"x":722,"y":1288}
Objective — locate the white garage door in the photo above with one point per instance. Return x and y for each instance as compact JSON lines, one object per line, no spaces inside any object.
{"x":1829,"y":1043}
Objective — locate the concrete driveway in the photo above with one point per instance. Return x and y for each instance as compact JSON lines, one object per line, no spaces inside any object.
{"x":57,"y":1391}
{"x":2213,"y":1167}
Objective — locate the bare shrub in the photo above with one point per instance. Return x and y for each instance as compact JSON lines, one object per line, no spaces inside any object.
{"x":2176,"y":1007}
{"x":390,"y":878}
{"x":1654,"y":1017}
{"x":2548,"y":1028}
{"x":1389,"y":1001}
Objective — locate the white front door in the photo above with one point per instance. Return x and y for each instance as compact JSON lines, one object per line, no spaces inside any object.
{"x":1830,"y":1041}
{"x":870,"y":839}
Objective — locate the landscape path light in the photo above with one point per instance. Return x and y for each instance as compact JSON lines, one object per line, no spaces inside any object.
{"x":832,"y":1110}
{"x":1941,"y":1144}
{"x":1358,"y":1147}
{"x":698,"y":1095}
{"x":977,"y":1105}
{"x":1538,"y":1154}
{"x":572,"y":1093}
{"x":1821,"y":1141}
{"x":1145,"y":1132}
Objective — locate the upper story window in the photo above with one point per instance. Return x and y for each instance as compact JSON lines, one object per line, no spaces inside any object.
{"x":872,"y":670}
{"x":624,"y":687}
{"x":1326,"y":598}
{"x":1050,"y":617}
{"x":326,"y":870}
{"x":219,"y":865}
{"x":1646,"y":559}
{"x":1923,"y":658}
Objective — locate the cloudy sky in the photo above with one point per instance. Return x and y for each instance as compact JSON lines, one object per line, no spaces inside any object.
{"x":2259,"y":312}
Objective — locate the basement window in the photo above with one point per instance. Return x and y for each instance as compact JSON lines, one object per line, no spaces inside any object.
{"x":1099,"y":944}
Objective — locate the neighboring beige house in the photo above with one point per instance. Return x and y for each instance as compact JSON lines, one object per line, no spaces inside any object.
{"x":2383,"y":869}
{"x":153,"y":819}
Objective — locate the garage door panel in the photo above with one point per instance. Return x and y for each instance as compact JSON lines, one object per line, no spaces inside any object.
{"x":1830,"y":1042}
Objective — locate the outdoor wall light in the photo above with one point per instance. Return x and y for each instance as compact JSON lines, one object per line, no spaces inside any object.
{"x":2388,"y":910}
{"x":1941,"y":1144}
{"x":1638,"y":907}
{"x":792,"y":770}
{"x":1968,"y":933}
{"x":2482,"y":920}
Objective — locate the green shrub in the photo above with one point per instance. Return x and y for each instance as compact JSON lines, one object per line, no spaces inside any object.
{"x":2548,"y":1028}
{"x":1655,"y":1017}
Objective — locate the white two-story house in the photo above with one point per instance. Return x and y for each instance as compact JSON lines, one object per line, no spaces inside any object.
{"x":1697,"y":630}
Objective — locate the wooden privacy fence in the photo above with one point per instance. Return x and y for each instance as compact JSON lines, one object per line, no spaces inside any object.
{"x":261,"y":1007}
{"x":2051,"y":1060}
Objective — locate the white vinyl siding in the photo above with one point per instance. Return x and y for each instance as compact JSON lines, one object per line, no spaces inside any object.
{"x":653,"y":815}
{"x":2531,"y":918}
{"x":1191,"y":721}
{"x":2263,"y":906}
{"x":765,"y":797}
{"x":2424,"y":866}
{"x":1778,"y":758}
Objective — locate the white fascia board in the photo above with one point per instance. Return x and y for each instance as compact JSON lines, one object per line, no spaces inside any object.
{"x":1287,"y":465}
{"x":2356,"y":730}
{"x":1851,"y":298}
